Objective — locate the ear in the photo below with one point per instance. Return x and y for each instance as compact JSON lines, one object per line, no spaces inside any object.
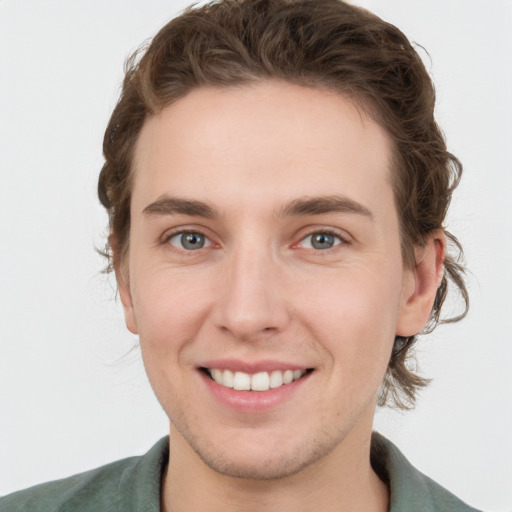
{"x":421,"y":284}
{"x":123,"y":284}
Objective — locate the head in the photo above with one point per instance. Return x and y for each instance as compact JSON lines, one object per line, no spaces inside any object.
{"x":320,"y":44}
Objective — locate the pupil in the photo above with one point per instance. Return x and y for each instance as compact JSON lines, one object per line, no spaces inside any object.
{"x":192,"y":241}
{"x":323,"y":241}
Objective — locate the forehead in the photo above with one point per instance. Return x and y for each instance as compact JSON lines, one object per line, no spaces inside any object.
{"x":271,"y":139}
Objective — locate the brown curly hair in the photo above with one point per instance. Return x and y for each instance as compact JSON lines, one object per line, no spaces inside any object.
{"x":315,"y":43}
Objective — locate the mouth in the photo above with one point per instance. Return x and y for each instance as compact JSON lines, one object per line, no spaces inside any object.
{"x":261,"y":381}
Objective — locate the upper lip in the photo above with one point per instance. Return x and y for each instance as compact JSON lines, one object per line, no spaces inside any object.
{"x":251,"y":367}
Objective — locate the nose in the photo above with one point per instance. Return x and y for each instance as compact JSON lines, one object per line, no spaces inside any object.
{"x":252,"y":302}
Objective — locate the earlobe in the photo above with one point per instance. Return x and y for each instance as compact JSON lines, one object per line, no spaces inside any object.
{"x":123,"y":284}
{"x":421,"y":284}
{"x":126,"y":300}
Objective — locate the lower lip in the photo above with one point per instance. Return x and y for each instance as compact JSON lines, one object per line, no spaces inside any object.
{"x":253,"y":401}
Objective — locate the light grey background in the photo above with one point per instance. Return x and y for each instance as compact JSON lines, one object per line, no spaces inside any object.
{"x":69,"y":400}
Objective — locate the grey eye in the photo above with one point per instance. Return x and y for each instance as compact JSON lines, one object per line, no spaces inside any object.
{"x":321,"y":241}
{"x":189,"y":241}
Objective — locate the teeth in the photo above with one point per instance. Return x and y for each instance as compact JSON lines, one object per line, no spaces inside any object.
{"x":216,"y":374}
{"x":276,"y":379}
{"x":262,"y":381}
{"x":227,"y":378}
{"x":288,"y":376}
{"x":242,"y":381}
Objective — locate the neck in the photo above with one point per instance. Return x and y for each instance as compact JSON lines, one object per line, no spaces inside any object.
{"x":342,"y":481}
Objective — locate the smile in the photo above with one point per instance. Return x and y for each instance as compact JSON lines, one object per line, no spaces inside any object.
{"x":262,"y":381}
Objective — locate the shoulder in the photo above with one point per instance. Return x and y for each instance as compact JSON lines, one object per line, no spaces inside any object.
{"x":410,"y":489}
{"x":84,"y":491}
{"x":124,"y":485}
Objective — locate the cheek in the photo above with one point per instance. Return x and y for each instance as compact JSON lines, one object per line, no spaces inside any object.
{"x":169,"y":310}
{"x":353,"y":315}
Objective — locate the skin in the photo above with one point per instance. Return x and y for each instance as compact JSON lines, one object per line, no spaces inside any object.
{"x":259,"y":290}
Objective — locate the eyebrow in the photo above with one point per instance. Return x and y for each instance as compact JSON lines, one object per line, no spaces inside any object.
{"x":167,"y":205}
{"x":322,"y":205}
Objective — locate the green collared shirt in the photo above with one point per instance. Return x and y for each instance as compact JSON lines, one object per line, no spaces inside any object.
{"x":133,"y":485}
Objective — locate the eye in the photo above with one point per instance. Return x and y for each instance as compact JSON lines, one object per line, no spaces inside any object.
{"x":189,"y":241}
{"x":321,"y":241}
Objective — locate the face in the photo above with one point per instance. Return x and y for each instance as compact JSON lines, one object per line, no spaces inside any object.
{"x":264,"y":274}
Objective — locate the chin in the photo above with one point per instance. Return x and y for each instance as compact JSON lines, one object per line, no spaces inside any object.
{"x":263,"y":462}
{"x":272,"y":468}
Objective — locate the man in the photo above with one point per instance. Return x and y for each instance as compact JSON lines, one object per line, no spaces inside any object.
{"x":276,"y":187}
